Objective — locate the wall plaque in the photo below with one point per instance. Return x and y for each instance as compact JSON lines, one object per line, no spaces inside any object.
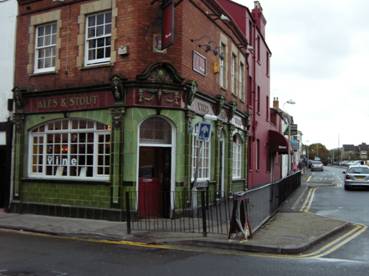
{"x":237,"y":122}
{"x":201,"y":107}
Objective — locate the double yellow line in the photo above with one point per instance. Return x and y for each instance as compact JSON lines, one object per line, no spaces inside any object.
{"x":337,"y":243}
{"x":308,"y":200}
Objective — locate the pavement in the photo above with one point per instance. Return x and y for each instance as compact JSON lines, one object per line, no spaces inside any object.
{"x":289,"y":231}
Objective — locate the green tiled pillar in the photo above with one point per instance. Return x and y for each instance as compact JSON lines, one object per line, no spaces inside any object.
{"x":19,"y":153}
{"x":231,"y":128}
{"x":117,"y":142}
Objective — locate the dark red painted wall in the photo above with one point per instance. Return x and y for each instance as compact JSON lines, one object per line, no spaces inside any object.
{"x":260,"y":124}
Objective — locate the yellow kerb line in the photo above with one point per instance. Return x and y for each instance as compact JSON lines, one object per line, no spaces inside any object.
{"x":337,"y":243}
{"x":307,"y":200}
{"x":312,"y":195}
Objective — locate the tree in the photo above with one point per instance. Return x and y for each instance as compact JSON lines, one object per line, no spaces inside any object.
{"x":336,"y":154}
{"x":318,"y":150}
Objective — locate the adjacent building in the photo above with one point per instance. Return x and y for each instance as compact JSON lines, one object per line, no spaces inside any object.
{"x":8,"y":23}
{"x":110,"y":97}
{"x":265,"y":142}
{"x":352,"y":152}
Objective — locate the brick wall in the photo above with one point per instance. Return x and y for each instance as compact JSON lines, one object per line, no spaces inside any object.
{"x":136,"y":23}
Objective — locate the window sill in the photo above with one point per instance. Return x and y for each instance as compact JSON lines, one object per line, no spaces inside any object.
{"x":35,"y":74}
{"x":67,"y":181}
{"x":223,"y":88}
{"x":95,"y":66}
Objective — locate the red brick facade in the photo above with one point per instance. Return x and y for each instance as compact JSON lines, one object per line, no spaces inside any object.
{"x":137,"y":21}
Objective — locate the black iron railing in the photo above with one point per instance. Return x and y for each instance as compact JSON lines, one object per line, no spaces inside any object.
{"x":194,"y":212}
{"x":204,"y":212}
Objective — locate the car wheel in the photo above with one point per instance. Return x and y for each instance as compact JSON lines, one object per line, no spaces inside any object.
{"x":347,"y":188}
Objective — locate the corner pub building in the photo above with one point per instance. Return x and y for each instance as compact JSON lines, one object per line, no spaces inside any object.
{"x":109,"y":95}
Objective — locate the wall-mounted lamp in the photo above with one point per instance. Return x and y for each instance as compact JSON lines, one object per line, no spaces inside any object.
{"x":215,"y":17}
{"x":210,"y":117}
{"x":207,"y":47}
{"x":250,"y":49}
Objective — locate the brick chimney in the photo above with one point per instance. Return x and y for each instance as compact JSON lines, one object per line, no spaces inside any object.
{"x":259,"y":19}
{"x":275,"y":103}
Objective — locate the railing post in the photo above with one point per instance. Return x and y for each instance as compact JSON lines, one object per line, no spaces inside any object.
{"x":128,"y":213}
{"x":203,"y":211}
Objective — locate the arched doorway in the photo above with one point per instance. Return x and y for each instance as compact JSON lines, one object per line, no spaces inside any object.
{"x":156,"y":155}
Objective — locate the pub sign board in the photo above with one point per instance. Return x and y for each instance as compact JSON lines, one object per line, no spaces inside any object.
{"x":69,"y":102}
{"x":167,"y":32}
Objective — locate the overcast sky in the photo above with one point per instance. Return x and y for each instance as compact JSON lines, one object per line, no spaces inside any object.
{"x":8,"y":11}
{"x":320,"y":58}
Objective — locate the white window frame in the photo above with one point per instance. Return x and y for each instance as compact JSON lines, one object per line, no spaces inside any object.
{"x":52,"y":46}
{"x":206,"y":145}
{"x":234,"y":74}
{"x":89,"y":62}
{"x":237,"y":157}
{"x":68,"y":131}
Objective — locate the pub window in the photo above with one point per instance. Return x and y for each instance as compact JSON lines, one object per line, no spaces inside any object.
{"x":155,"y":130}
{"x":237,"y":157}
{"x":200,"y":159}
{"x":98,"y":38}
{"x":72,"y":149}
{"x":45,"y":48}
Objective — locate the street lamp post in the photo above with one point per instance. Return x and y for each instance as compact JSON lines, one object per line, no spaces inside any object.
{"x":289,"y":122}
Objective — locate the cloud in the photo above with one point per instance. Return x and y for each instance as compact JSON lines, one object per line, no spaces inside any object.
{"x":320,"y":57}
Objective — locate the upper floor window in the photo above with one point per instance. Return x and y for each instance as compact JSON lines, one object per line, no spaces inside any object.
{"x":45,"y":49}
{"x":249,"y":90}
{"x":267,"y":64}
{"x":242,"y":81}
{"x":258,"y":48}
{"x":98,"y":38}
{"x":258,"y":100}
{"x":267,"y":108}
{"x":71,"y":149}
{"x":250,"y":33}
{"x":257,"y":155}
{"x":234,"y":74}
{"x":223,"y":60}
